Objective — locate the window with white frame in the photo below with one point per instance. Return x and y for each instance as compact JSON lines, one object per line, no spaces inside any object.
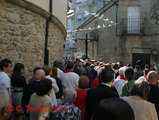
{"x":133,"y":25}
{"x":79,"y":18}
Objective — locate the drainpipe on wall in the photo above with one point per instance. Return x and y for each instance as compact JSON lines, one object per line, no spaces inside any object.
{"x":117,"y":17}
{"x":46,"y":51}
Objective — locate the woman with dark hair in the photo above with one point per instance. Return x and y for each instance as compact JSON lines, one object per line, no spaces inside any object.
{"x":18,"y":82}
{"x":113,"y":109}
{"x":41,"y":101}
{"x":59,"y":95}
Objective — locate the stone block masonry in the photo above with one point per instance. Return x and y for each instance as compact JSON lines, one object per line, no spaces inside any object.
{"x":22,"y":36}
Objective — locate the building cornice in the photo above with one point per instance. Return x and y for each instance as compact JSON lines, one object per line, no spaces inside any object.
{"x":30,"y":6}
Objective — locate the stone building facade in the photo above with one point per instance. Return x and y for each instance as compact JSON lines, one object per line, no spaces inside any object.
{"x":129,"y":33}
{"x":22,"y":34}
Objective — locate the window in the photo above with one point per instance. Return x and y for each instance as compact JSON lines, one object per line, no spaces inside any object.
{"x":79,"y":18}
{"x":85,"y":16}
{"x":77,"y":9}
{"x":133,"y":25}
{"x":68,"y":25}
{"x":67,"y":45}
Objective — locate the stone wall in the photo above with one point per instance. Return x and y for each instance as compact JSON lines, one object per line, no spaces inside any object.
{"x":22,"y":36}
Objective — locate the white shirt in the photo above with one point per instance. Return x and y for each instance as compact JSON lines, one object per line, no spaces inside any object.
{"x":143,"y":110}
{"x":59,"y":72}
{"x":5,"y":80}
{"x":118,"y":84}
{"x":69,"y":80}
{"x":55,"y":89}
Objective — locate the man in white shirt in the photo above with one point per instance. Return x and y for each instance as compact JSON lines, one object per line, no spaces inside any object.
{"x":5,"y":67}
{"x":69,"y":79}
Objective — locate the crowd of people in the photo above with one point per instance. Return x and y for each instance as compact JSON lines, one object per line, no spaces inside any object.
{"x":79,"y":90}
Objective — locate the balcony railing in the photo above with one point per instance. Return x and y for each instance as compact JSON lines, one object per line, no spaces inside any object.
{"x":155,"y":9}
{"x":133,"y":26}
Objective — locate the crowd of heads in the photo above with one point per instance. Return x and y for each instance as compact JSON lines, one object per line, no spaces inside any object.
{"x":105,"y":74}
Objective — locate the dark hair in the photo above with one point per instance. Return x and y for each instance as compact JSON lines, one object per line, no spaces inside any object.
{"x":128,"y":65}
{"x":106,"y":75}
{"x":147,"y":66}
{"x":43,"y":87}
{"x":4,"y":63}
{"x":70,"y":65}
{"x":129,"y":73}
{"x":113,"y":109}
{"x":115,"y":66}
{"x":35,"y":69}
{"x":137,"y":67}
{"x":146,"y":71}
{"x":17,"y":68}
{"x":54,"y":72}
{"x":56,"y":63}
{"x":16,"y":73}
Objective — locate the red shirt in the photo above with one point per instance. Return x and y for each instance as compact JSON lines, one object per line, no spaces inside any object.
{"x":80,"y":101}
{"x":95,"y":83}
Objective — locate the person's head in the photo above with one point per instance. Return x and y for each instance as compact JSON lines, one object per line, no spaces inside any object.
{"x":80,"y":64}
{"x":146,"y":71}
{"x":5,"y":65}
{"x":35,"y":69}
{"x":116,"y":67}
{"x":152,"y":77}
{"x":113,"y":109}
{"x":88,"y":69}
{"x":48,"y":70}
{"x":5,"y":102}
{"x":39,"y":74}
{"x":140,"y":88}
{"x":54,"y":72}
{"x":106,"y":75}
{"x":70,"y":66}
{"x":147,"y":66}
{"x":44,"y":87}
{"x":70,"y":96}
{"x":83,"y":82}
{"x":18,"y":68}
{"x":121,"y":70}
{"x":129,"y":65}
{"x":63,"y":63}
{"x":56,"y":64}
{"x":129,"y":73}
{"x":92,"y":66}
{"x":137,"y":67}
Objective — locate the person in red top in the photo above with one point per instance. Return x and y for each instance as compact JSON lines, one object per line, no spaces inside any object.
{"x":80,"y":101}
{"x":95,"y":83}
